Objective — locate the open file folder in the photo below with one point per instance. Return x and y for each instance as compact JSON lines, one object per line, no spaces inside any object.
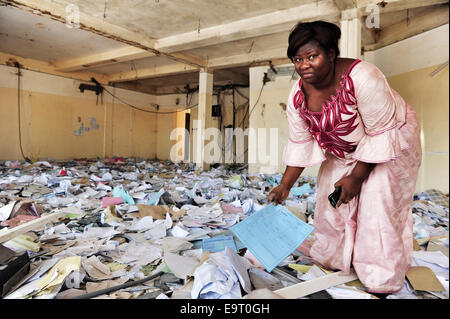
{"x":271,"y":234}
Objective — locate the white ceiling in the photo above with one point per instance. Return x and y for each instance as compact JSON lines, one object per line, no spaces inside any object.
{"x":35,"y":34}
{"x":162,"y":18}
{"x":32,"y":36}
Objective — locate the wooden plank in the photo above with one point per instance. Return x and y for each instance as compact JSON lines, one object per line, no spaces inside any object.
{"x":345,"y":4}
{"x":153,"y":72}
{"x":230,"y":74}
{"x":429,"y":20}
{"x":104,"y":58}
{"x":314,"y":285}
{"x":36,"y":224}
{"x":45,"y":67}
{"x":248,"y":58}
{"x":396,"y":5}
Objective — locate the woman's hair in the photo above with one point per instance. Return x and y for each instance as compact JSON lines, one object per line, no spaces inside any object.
{"x":326,"y":34}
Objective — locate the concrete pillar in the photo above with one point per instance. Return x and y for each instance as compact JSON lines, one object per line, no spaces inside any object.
{"x":204,"y":118}
{"x":256,"y":74}
{"x":350,"y":43}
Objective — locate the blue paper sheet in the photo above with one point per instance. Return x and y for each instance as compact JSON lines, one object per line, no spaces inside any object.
{"x":271,"y":234}
{"x":118,"y":191}
{"x":218,"y":243}
{"x":298,"y":191}
{"x":153,"y":198}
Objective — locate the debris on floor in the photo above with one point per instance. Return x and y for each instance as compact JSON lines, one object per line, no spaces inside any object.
{"x":122,"y":228}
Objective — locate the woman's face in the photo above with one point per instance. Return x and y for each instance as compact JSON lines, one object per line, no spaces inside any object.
{"x":313,"y":63}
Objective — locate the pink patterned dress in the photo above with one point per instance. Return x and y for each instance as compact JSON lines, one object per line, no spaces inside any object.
{"x":365,"y":121}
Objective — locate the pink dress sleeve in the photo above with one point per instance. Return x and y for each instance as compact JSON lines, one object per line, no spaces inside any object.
{"x":383,"y":113}
{"x":301,"y":150}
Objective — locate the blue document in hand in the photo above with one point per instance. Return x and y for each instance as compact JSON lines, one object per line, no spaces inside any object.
{"x":271,"y":234}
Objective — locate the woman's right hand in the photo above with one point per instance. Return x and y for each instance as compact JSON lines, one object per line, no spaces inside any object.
{"x":279,"y":194}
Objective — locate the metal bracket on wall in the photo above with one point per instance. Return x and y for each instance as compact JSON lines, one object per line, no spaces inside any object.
{"x":439,"y":68}
{"x":275,"y":72}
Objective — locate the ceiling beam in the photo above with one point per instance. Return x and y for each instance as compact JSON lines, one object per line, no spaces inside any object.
{"x":136,"y":86}
{"x":45,"y":67}
{"x":153,"y":72}
{"x":232,"y":76}
{"x":345,"y":4}
{"x":104,"y":58}
{"x":368,"y":36}
{"x":282,"y":20}
{"x":88,"y":23}
{"x":113,"y":56}
{"x":278,"y":55}
{"x":432,"y":18}
{"x":396,"y":5}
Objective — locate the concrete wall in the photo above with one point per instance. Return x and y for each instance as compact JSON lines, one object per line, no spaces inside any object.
{"x":407,"y":65}
{"x":226,"y":101}
{"x":60,"y":122}
{"x":409,"y":73}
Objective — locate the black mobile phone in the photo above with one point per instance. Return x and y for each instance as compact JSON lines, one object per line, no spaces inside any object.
{"x":334,"y":196}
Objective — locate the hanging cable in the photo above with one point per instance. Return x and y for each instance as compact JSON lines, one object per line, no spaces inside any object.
{"x":19,"y":74}
{"x":192,"y":91}
{"x":238,"y":92}
{"x":245,"y":114}
{"x":137,"y":108}
{"x":247,"y":111}
{"x":243,"y":119}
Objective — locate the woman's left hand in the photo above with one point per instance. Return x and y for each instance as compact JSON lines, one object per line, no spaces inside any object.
{"x":351,"y":186}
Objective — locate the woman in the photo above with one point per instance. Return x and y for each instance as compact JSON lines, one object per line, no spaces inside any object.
{"x":343,"y":114}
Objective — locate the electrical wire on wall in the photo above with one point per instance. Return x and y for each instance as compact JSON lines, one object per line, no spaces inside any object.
{"x":19,"y":74}
{"x":189,"y":95}
{"x":247,"y":111}
{"x":146,"y":111}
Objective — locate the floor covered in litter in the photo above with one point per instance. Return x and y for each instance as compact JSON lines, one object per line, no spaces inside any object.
{"x":125,"y":220}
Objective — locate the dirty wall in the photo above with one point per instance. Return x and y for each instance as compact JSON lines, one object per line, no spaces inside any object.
{"x":59,"y":122}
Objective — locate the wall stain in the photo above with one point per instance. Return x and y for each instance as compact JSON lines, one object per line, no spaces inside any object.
{"x":94,"y":126}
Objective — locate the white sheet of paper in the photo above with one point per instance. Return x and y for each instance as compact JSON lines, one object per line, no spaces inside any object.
{"x":132,"y":209}
{"x":240,"y":266}
{"x":140,"y":195}
{"x":313,"y":272}
{"x":23,"y":291}
{"x":197,"y":233}
{"x":179,"y":231}
{"x":435,"y":257}
{"x":140,"y":254}
{"x":6,"y":210}
{"x":45,"y":266}
{"x":156,"y":232}
{"x":103,"y":187}
{"x":346,"y":292}
{"x":204,"y":275}
{"x":179,"y":265}
{"x":168,"y":222}
{"x":405,"y":293}
{"x":100,"y":232}
{"x":143,"y":223}
{"x":174,"y":244}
